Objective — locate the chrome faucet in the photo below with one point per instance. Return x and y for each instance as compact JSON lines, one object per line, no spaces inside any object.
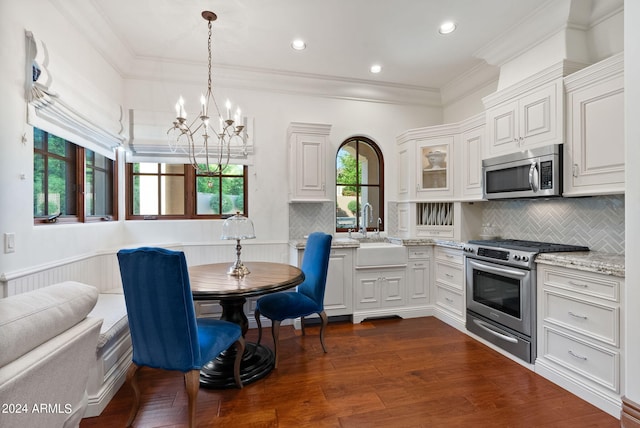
{"x":367,"y":213}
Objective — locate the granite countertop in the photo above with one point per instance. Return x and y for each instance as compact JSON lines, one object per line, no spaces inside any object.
{"x":355,"y":243}
{"x":590,"y":261}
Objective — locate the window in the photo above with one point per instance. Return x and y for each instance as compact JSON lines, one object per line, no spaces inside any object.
{"x":176,"y":191}
{"x":70,"y":183}
{"x":359,"y":181}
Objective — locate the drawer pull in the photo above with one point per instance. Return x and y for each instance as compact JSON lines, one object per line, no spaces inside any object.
{"x":448,"y":299}
{"x":582,"y":317}
{"x":574,"y":355}
{"x":419,"y":264}
{"x":578,"y":284}
{"x":448,"y":275}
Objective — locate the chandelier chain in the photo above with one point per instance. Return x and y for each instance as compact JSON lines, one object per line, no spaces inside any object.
{"x":183,"y":136}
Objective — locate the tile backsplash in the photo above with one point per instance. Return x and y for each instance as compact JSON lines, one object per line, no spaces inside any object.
{"x":597,"y":222}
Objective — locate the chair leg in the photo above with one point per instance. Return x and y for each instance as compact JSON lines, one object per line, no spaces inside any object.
{"x":256,"y":314}
{"x":192,"y":383}
{"x":323,"y":317}
{"x":132,"y":380}
{"x":240,"y":345}
{"x":304,"y":333}
{"x":275,"y":332}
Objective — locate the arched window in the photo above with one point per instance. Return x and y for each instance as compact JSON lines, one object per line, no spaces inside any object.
{"x":359,"y":185}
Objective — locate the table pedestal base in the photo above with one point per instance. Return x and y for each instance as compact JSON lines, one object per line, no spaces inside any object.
{"x":257,"y":362}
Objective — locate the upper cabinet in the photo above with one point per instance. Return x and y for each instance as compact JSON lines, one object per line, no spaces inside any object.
{"x":529,"y":114}
{"x":442,"y":162}
{"x":594,"y":149}
{"x":427,"y":158}
{"x":307,"y":161}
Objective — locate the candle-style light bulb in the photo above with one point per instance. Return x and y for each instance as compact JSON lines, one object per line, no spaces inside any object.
{"x":203,"y":101}
{"x":182,"y":112}
{"x":228,"y":106}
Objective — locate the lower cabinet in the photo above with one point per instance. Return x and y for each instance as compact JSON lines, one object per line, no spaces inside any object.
{"x":449,"y":289}
{"x":380,"y":288}
{"x":579,"y":334}
{"x":338,"y":296}
{"x":419,"y":276}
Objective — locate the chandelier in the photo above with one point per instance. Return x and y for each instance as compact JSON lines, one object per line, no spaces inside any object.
{"x":208,"y":149}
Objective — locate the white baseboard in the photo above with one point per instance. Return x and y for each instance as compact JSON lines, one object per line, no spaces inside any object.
{"x":114,"y":381}
{"x":409,"y":312}
{"x":605,"y":402}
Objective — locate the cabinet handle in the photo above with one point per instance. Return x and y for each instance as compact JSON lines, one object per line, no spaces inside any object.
{"x":419,"y":264}
{"x":574,"y":355}
{"x":448,"y":299}
{"x":575,"y":170}
{"x":448,"y":275}
{"x":577,"y":316}
{"x":577,"y":284}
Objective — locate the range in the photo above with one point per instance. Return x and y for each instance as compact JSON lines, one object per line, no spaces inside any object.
{"x":501,"y":291}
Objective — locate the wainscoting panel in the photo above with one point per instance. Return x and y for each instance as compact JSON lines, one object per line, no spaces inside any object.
{"x":101,"y":269}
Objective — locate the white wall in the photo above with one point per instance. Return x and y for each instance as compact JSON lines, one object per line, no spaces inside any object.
{"x":632,"y":199}
{"x":92,"y":77}
{"x":41,"y":244}
{"x":272,"y":113}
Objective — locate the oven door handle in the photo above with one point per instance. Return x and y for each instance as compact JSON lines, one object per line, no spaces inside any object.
{"x":502,"y":270}
{"x":489,"y":329}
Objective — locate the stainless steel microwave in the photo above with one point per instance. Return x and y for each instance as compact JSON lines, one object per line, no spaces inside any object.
{"x":529,"y":174}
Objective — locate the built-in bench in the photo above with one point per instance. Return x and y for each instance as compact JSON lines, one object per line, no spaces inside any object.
{"x":113,"y":352}
{"x":100,"y":269}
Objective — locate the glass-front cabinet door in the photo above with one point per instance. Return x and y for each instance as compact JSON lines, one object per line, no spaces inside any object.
{"x":435,"y":159}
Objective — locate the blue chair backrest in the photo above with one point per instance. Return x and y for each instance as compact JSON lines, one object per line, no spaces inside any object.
{"x":160,"y":308}
{"x":315,"y":263}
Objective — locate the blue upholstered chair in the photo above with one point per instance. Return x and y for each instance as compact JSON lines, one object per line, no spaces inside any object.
{"x":309,"y":297}
{"x":164,"y":329}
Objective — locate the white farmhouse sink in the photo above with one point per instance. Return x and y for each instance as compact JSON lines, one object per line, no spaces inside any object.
{"x":380,"y":254}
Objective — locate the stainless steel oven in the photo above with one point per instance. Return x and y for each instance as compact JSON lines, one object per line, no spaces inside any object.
{"x":501,"y":292}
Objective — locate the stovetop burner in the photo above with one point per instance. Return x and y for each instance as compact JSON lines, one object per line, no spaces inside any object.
{"x":532,"y":246}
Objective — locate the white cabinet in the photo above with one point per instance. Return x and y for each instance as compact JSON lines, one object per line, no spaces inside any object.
{"x":380,"y":288}
{"x":594,"y":150}
{"x":530,"y":119}
{"x":472,"y":144}
{"x":449,"y":287}
{"x":338,"y":295}
{"x":427,"y":158}
{"x":434,"y":167}
{"x":307,"y":162}
{"x":579,"y":333}
{"x":418,"y":276}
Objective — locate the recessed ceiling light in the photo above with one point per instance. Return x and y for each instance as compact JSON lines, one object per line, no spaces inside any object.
{"x":375,"y":68}
{"x":447,"y":27}
{"x":298,"y":44}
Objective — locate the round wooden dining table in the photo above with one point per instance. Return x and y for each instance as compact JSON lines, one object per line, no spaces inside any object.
{"x":212,"y":282}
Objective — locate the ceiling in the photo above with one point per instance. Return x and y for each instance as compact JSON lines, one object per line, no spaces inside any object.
{"x":344,"y":37}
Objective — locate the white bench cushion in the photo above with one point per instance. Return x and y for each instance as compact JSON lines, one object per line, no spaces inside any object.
{"x":30,"y":319}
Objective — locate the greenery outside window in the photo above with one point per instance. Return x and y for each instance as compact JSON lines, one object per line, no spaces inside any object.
{"x":359,"y":181}
{"x":71,"y":183}
{"x":176,"y":191}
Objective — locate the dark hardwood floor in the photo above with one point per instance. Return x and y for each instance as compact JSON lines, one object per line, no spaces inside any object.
{"x":385,"y":373}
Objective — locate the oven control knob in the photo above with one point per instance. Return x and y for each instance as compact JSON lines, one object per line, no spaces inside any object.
{"x":468,"y":249}
{"x":516,"y":257}
{"x":525,"y":258}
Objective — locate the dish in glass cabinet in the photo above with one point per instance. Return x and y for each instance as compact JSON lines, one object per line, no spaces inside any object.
{"x":436,"y":159}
